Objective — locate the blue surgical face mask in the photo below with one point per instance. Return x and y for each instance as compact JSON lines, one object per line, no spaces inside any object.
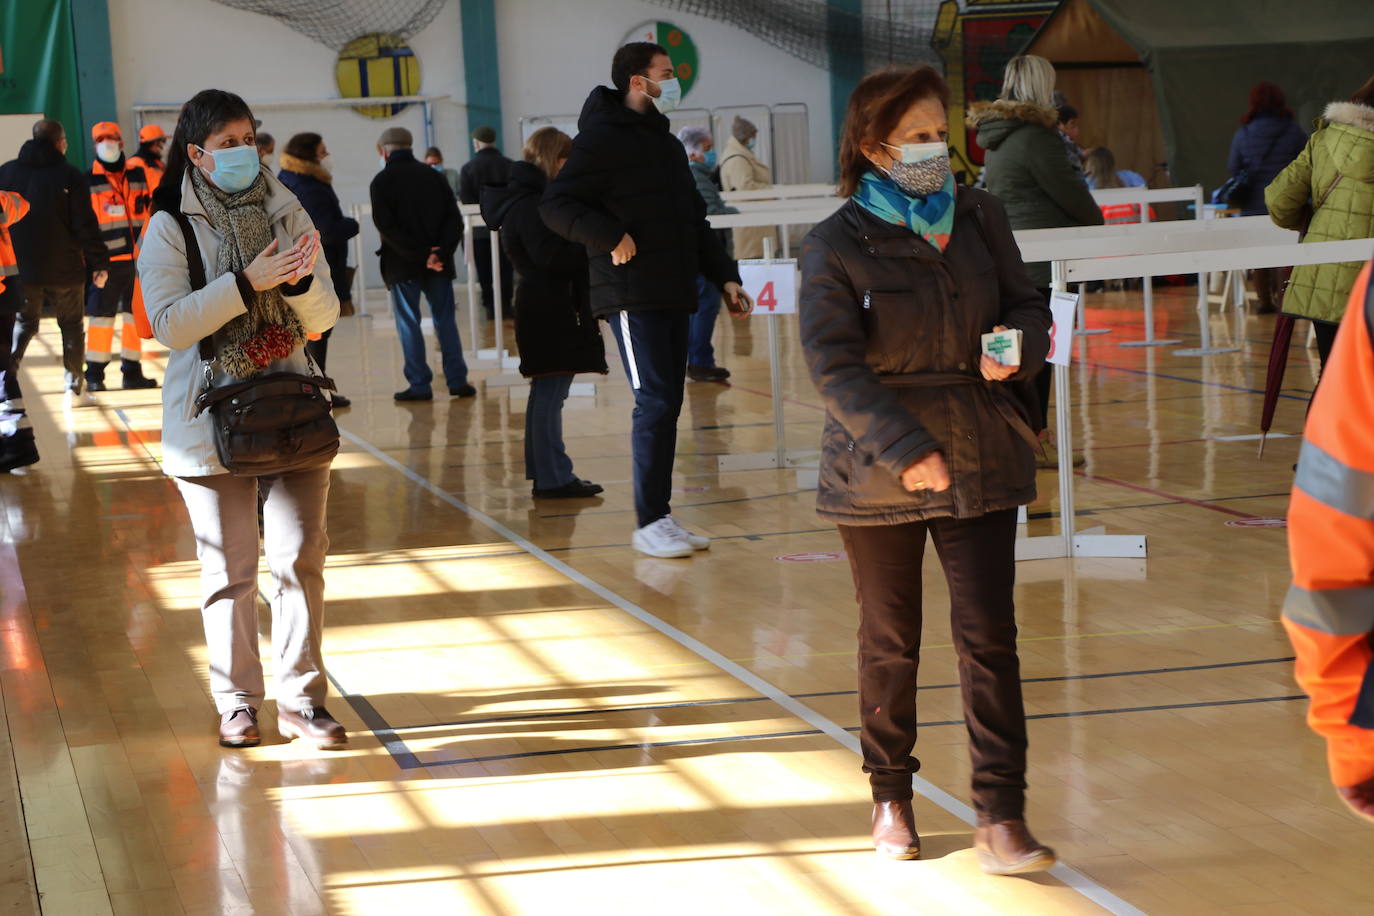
{"x":236,"y":167}
{"x":669,"y":95}
{"x":710,"y":158}
{"x":752,"y":141}
{"x":437,"y":166}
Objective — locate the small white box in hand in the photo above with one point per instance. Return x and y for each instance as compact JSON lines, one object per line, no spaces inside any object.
{"x":1004,"y":346}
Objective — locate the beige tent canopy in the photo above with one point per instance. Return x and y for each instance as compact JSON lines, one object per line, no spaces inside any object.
{"x":1105,"y":79}
{"x":1180,"y":71}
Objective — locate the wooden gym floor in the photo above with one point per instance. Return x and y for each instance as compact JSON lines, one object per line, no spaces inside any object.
{"x":543,"y":720}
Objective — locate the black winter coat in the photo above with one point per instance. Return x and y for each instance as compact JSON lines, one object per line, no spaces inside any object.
{"x":415,"y":213}
{"x":554,"y":327}
{"x":307,"y":180}
{"x":59,"y":241}
{"x":486,"y":167}
{"x":891,"y":331}
{"x":627,"y":173}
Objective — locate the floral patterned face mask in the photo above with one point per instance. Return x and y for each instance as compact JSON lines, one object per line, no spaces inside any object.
{"x":921,"y":168}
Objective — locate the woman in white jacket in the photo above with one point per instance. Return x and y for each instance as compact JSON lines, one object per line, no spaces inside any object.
{"x":266,"y":290}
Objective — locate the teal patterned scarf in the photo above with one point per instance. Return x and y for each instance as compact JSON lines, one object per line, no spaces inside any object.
{"x":931,"y":217}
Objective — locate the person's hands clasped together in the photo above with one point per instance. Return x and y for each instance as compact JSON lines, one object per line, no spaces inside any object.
{"x":270,"y":269}
{"x":928,"y":473}
{"x":435,"y":261}
{"x":994,"y":371}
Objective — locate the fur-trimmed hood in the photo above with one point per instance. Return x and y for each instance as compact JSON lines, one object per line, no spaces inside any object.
{"x":1356,"y":115}
{"x":999,"y":119}
{"x":1348,"y":138}
{"x":306,"y":167}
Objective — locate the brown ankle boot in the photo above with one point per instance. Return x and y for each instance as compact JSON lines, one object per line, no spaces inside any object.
{"x":239,"y":728}
{"x":894,"y":830}
{"x":1007,"y":848}
{"x":312,"y":724}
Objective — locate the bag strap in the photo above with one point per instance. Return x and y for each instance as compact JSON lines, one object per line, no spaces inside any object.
{"x":1329,"y":188}
{"x":196,"y":267}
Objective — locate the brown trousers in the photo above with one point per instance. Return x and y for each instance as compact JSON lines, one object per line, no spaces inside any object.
{"x":978,"y":556}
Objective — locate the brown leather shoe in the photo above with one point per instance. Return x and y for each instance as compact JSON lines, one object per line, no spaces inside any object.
{"x":239,"y":728}
{"x":315,"y":725}
{"x":894,"y":830}
{"x":1007,"y":848}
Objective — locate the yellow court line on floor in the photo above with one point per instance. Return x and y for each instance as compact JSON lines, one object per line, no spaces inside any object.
{"x":1022,"y":639}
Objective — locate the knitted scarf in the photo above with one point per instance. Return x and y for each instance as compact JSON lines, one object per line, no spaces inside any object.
{"x":931,"y":217}
{"x":270,"y":330}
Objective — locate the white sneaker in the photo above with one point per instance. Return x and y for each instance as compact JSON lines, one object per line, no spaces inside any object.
{"x":661,"y":539}
{"x":697,"y":541}
{"x":74,"y":398}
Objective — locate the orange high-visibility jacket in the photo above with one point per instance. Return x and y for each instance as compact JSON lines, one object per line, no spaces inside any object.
{"x":13,"y":207}
{"x":1329,"y":612}
{"x":152,"y":170}
{"x":121,"y":201}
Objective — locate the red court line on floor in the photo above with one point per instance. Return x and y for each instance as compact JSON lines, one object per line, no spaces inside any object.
{"x":1166,"y":495}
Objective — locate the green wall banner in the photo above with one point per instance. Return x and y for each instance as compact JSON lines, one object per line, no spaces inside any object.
{"x":681,"y":49}
{"x":38,"y":68}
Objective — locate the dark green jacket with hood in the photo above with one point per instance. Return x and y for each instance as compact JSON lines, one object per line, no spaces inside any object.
{"x":1027,"y":170}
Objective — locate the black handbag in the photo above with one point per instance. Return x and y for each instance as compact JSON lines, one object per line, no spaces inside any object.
{"x":1235,"y":191}
{"x":268,"y":425}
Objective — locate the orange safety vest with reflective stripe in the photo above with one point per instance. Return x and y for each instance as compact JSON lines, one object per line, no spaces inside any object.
{"x":13,"y":207}
{"x":1329,"y":612}
{"x":153,"y":170}
{"x":121,"y":201}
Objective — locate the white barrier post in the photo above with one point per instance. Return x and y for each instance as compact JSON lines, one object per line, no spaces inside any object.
{"x":1082,"y":329}
{"x":1147,"y":291}
{"x":496,"y":294}
{"x":1063,"y":422}
{"x":359,"y":278}
{"x":470,"y":266}
{"x":762,"y":279}
{"x":1204,"y":311}
{"x":775,"y":377}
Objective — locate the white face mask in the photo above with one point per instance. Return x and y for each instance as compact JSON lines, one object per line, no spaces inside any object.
{"x":327,"y":163}
{"x":669,"y":95}
{"x":108,"y":150}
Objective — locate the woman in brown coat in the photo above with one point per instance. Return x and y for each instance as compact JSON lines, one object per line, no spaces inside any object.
{"x":926,"y":436}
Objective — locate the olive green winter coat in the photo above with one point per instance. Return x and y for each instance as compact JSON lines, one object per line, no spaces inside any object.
{"x":1028,"y":170}
{"x":1336,"y":171}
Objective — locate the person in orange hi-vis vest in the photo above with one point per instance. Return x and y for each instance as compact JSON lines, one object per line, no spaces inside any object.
{"x":152,"y":144}
{"x":121,"y":199}
{"x":1329,"y":612}
{"x":17,"y":448}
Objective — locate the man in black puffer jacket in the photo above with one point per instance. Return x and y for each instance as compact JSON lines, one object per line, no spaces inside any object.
{"x":58,"y":244}
{"x":628,"y":195}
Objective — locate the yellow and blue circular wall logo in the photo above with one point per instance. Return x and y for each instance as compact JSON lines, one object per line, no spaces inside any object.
{"x":377,"y":65}
{"x":679,"y":45}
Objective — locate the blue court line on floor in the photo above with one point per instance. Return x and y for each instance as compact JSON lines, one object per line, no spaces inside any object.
{"x":1063,"y":872}
{"x":1184,"y":378}
{"x":727,"y":739}
{"x":655,"y":707}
